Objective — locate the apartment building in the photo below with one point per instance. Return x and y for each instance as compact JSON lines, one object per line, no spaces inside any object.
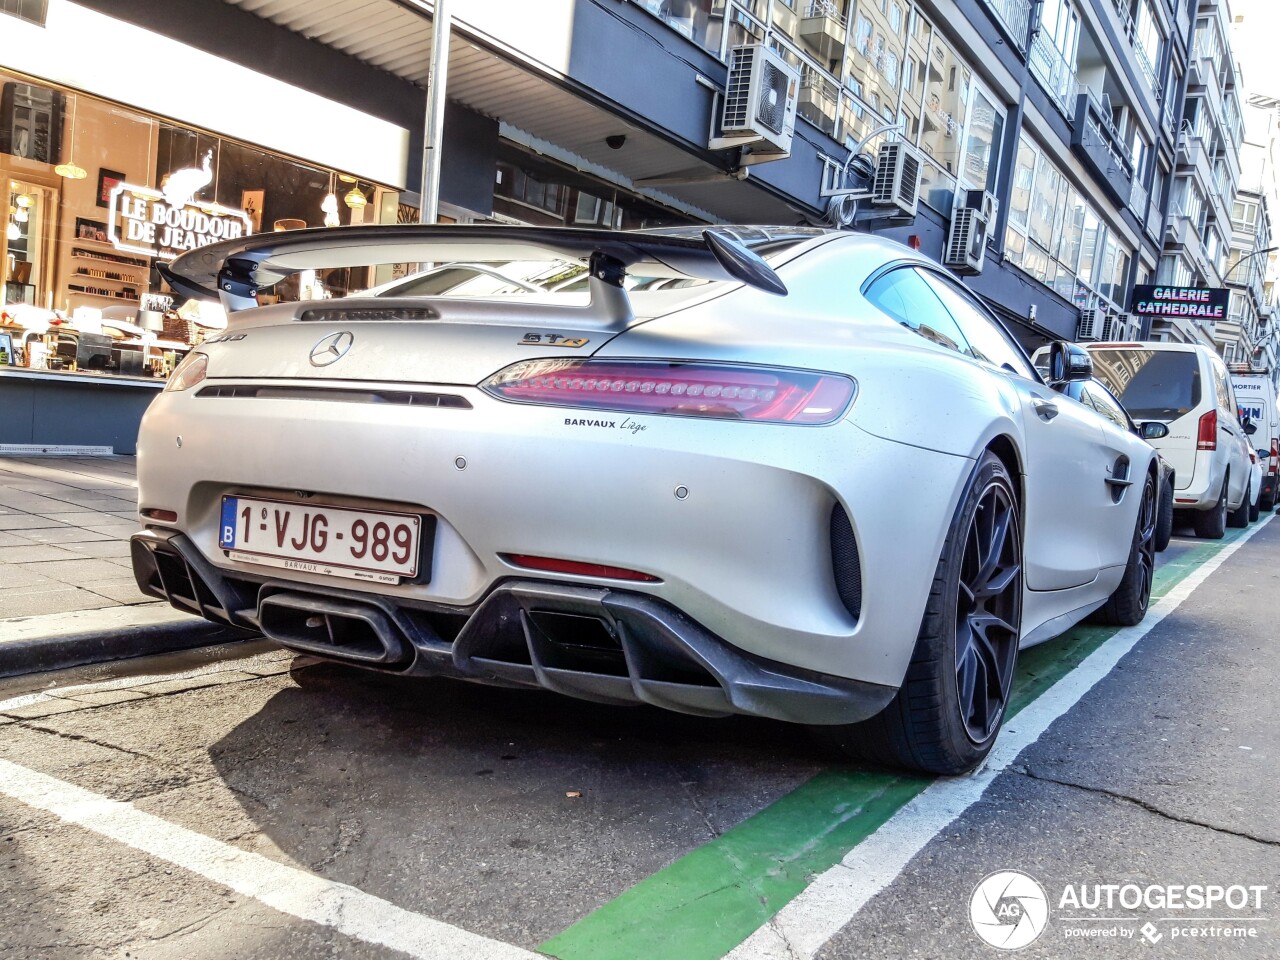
{"x":1199,"y":231}
{"x":1049,"y":137}
{"x":1248,"y":334}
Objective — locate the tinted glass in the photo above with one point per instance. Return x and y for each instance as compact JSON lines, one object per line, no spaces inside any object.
{"x":905,"y":297}
{"x":1101,"y":401}
{"x":986,"y":339}
{"x":1152,"y":384}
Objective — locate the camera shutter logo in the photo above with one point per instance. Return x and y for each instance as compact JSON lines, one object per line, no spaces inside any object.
{"x":1009,"y":909}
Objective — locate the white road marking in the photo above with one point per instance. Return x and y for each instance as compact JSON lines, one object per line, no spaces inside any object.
{"x":284,"y":888}
{"x":803,"y":926}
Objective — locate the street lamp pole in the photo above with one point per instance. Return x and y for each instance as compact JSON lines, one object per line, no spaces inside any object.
{"x":1256,"y":253}
{"x":1253,"y":345}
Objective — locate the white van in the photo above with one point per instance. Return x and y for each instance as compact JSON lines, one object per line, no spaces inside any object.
{"x":1187,"y":387}
{"x":1256,"y":395}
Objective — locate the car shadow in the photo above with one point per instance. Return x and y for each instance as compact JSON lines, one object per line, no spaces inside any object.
{"x":444,"y":796}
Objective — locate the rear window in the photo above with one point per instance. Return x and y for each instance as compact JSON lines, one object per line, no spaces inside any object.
{"x":1152,"y":384}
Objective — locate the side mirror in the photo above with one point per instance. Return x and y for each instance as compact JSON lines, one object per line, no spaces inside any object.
{"x":1263,"y":454}
{"x":1153,"y":430}
{"x":1068,"y":363}
{"x":1249,"y":427}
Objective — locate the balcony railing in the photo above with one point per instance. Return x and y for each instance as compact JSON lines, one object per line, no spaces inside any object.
{"x":1096,"y":142}
{"x":1138,"y":200}
{"x":1055,"y":74}
{"x":1015,"y":16}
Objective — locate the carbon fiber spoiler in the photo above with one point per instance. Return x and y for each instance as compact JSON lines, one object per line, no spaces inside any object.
{"x":235,"y":270}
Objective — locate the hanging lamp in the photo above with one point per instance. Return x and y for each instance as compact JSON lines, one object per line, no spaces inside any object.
{"x":330,"y":206}
{"x":71,"y":170}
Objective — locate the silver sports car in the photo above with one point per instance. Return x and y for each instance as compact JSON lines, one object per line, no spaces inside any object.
{"x":784,"y":472}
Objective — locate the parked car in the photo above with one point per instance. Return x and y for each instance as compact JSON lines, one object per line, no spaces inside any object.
{"x":1094,"y":394}
{"x":816,"y":481}
{"x":1186,"y":387}
{"x":1256,"y":396}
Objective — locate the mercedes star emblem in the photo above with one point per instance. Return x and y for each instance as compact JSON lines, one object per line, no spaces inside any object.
{"x":331,"y":349}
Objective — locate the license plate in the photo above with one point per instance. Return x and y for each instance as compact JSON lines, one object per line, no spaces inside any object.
{"x":314,"y":538}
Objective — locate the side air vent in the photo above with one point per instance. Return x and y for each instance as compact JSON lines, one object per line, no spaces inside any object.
{"x":846,"y":565}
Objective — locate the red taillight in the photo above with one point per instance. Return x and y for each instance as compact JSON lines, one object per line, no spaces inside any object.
{"x":165,"y":516}
{"x":552,"y":565}
{"x":1275,"y":456}
{"x":692,"y":389}
{"x":1207,"y":439}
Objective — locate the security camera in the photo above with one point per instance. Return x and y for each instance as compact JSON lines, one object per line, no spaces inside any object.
{"x":616,"y":141}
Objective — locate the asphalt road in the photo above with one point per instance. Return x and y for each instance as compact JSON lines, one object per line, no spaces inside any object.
{"x":241,"y":802}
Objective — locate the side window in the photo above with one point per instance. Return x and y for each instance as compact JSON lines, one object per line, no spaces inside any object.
{"x":1101,"y":401}
{"x":987,"y":340}
{"x":905,"y":297}
{"x":1223,"y":386}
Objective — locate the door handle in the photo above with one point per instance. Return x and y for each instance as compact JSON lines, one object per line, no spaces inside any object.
{"x":1045,"y":409}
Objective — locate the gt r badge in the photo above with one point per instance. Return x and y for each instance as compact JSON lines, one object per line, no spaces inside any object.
{"x":331,"y":349}
{"x":551,"y":340}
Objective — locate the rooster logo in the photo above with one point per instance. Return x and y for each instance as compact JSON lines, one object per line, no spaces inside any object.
{"x":1009,"y":910}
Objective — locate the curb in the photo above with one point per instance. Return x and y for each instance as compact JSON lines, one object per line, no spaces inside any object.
{"x":62,"y":640}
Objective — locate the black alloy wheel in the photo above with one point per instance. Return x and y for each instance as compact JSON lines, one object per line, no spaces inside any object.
{"x":1128,"y":603}
{"x":988,"y":609}
{"x":947,"y":713}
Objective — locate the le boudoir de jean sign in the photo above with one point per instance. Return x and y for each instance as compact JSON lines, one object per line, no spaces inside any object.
{"x":148,"y":221}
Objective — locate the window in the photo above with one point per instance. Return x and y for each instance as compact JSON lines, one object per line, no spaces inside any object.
{"x":904,"y":296}
{"x":1222,"y":386}
{"x":1097,"y":397}
{"x":32,"y":10}
{"x":987,"y":340}
{"x":985,"y":130}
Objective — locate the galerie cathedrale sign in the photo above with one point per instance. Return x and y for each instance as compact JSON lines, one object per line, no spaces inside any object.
{"x":1208,"y":303}
{"x":148,"y":221}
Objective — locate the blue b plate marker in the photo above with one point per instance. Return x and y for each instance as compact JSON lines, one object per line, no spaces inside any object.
{"x":227,"y":539}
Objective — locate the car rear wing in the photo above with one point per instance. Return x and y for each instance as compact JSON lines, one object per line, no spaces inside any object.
{"x":235,"y":270}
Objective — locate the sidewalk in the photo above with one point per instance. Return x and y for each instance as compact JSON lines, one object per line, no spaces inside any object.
{"x":67,"y":593}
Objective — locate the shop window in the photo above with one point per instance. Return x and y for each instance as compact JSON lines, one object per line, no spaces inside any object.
{"x":32,"y":10}
{"x":689,"y":18}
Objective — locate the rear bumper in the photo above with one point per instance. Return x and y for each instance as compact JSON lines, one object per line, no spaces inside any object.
{"x":594,"y":643}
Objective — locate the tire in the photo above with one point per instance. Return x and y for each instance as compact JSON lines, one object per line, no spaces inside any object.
{"x":1239,"y":517}
{"x":945,"y":717}
{"x":1128,"y":603}
{"x":1255,"y":511}
{"x":1212,"y":524}
{"x":1164,"y":516}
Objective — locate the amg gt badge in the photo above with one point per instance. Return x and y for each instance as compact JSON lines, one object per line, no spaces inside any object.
{"x":552,"y":340}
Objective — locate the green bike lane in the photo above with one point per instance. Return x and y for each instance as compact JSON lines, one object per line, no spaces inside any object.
{"x":711,"y":899}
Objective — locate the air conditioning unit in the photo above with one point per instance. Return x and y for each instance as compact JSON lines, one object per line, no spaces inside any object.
{"x":759,"y":104}
{"x":1089,"y":326}
{"x":1125,"y":328}
{"x":984,"y":202}
{"x":897,"y":179}
{"x":1110,"y":328}
{"x":967,"y":236}
{"x":966,"y":241}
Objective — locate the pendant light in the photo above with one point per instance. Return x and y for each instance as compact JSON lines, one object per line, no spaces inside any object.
{"x":330,"y":206}
{"x":355,"y":199}
{"x":71,"y":170}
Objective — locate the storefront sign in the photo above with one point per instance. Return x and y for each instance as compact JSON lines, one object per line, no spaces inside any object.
{"x":1207,"y":303}
{"x":143,"y":220}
